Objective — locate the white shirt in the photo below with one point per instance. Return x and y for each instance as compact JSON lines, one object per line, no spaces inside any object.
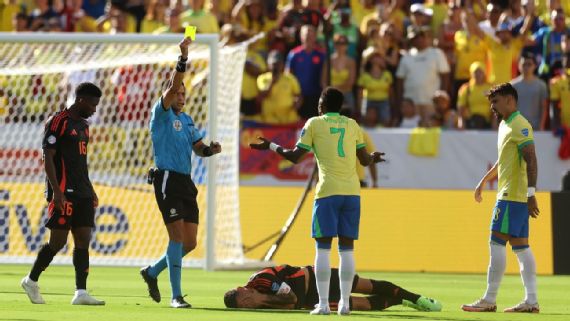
{"x":486,"y":27}
{"x":411,"y":122}
{"x":421,"y":74}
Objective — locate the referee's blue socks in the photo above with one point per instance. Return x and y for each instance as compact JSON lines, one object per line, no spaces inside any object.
{"x":160,"y":265}
{"x":174,"y":262}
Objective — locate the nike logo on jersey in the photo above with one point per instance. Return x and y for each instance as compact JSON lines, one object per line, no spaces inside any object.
{"x":69,"y":190}
{"x":73,"y":132}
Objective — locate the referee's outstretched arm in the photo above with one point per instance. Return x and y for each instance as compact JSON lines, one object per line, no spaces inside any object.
{"x":169,"y":95}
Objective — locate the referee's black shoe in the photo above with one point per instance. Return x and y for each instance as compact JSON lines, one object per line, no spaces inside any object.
{"x":152,"y":284}
{"x":179,"y":302}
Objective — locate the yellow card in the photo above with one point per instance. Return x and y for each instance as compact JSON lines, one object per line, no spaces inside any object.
{"x":190,"y":32}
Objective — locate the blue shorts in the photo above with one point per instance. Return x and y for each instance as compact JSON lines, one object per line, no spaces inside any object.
{"x":510,"y":218}
{"x":337,"y":215}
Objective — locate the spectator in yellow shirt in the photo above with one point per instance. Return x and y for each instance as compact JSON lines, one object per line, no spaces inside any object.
{"x":155,"y":16}
{"x":468,"y":49}
{"x":472,"y":102}
{"x":504,"y":51}
{"x":116,"y":20}
{"x":8,"y":10}
{"x":250,"y":14}
{"x":375,"y":90}
{"x":173,"y":23}
{"x":343,"y":71}
{"x":204,"y":21}
{"x":279,"y":93}
{"x":560,"y":95}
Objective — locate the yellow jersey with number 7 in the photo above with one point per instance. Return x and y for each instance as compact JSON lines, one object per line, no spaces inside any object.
{"x":334,"y":140}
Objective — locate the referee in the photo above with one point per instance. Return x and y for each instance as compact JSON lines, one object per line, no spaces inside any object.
{"x":174,"y":137}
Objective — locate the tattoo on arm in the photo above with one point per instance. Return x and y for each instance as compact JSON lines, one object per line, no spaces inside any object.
{"x":529,"y":156}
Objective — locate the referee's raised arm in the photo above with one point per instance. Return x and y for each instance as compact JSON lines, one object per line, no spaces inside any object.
{"x":169,"y":95}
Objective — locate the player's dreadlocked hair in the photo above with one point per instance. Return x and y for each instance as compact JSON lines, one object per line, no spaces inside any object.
{"x":504,"y":89}
{"x":230,"y":299}
{"x":87,"y":89}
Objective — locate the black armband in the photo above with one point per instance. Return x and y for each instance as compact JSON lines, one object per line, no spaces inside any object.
{"x":181,"y":64}
{"x":207,"y":151}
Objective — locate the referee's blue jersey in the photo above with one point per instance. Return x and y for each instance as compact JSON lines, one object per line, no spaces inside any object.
{"x":172,"y":139}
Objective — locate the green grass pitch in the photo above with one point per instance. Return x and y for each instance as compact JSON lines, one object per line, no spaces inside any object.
{"x":125,"y":294}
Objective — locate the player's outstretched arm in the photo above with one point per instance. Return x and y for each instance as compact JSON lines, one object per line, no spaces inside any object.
{"x":489,"y":176}
{"x":292,"y":155}
{"x":366,"y":158}
{"x":204,"y":150}
{"x":169,"y":95}
{"x":529,"y":156}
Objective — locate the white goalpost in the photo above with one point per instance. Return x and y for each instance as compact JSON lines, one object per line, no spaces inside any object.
{"x":38,"y":72}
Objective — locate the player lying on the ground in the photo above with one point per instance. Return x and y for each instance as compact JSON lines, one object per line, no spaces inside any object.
{"x":292,"y":287}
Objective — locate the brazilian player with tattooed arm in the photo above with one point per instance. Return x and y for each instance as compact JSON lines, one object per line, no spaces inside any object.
{"x":516,"y":169}
{"x":293,"y":287}
{"x":337,"y":141}
{"x":174,"y":138}
{"x":72,"y":199}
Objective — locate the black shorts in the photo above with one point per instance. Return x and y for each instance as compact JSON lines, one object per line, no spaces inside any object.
{"x":312,"y":296}
{"x":176,"y":196}
{"x":78,"y":212}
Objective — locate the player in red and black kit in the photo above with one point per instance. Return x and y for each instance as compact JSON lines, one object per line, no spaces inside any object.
{"x":293,"y":287}
{"x":72,"y":199}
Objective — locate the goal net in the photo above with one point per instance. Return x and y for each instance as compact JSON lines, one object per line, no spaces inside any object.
{"x":38,"y":73}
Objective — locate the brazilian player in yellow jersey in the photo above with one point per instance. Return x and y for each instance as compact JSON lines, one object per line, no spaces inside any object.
{"x":516,"y":169}
{"x":336,"y":142}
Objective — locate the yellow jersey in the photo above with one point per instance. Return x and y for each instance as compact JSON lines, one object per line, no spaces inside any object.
{"x":7,"y":13}
{"x":377,"y":89}
{"x":359,"y":11}
{"x":360,"y":170}
{"x":514,"y":134}
{"x":560,"y":91}
{"x":468,"y":49}
{"x":205,"y":22}
{"x":339,"y":77}
{"x":438,"y":17}
{"x":334,"y":139}
{"x":249,"y":89}
{"x":502,"y":58}
{"x":150,"y":26}
{"x":474,"y":97}
{"x":279,"y":106}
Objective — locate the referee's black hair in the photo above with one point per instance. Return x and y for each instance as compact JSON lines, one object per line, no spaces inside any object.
{"x":504,"y":89}
{"x":87,"y":89}
{"x":230,"y":299}
{"x":332,"y":99}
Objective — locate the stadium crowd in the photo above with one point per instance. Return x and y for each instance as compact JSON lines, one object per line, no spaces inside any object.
{"x":400,"y":63}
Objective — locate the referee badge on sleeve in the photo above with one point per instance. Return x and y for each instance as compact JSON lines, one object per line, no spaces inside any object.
{"x":51,"y":139}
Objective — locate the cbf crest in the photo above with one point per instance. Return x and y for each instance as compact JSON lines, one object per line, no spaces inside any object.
{"x":177,"y":124}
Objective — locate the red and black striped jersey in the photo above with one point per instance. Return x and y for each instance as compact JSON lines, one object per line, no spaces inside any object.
{"x":269,"y":280}
{"x":69,"y":137}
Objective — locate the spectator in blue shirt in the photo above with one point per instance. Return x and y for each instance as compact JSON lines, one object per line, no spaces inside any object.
{"x":549,"y":39}
{"x":306,"y":63}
